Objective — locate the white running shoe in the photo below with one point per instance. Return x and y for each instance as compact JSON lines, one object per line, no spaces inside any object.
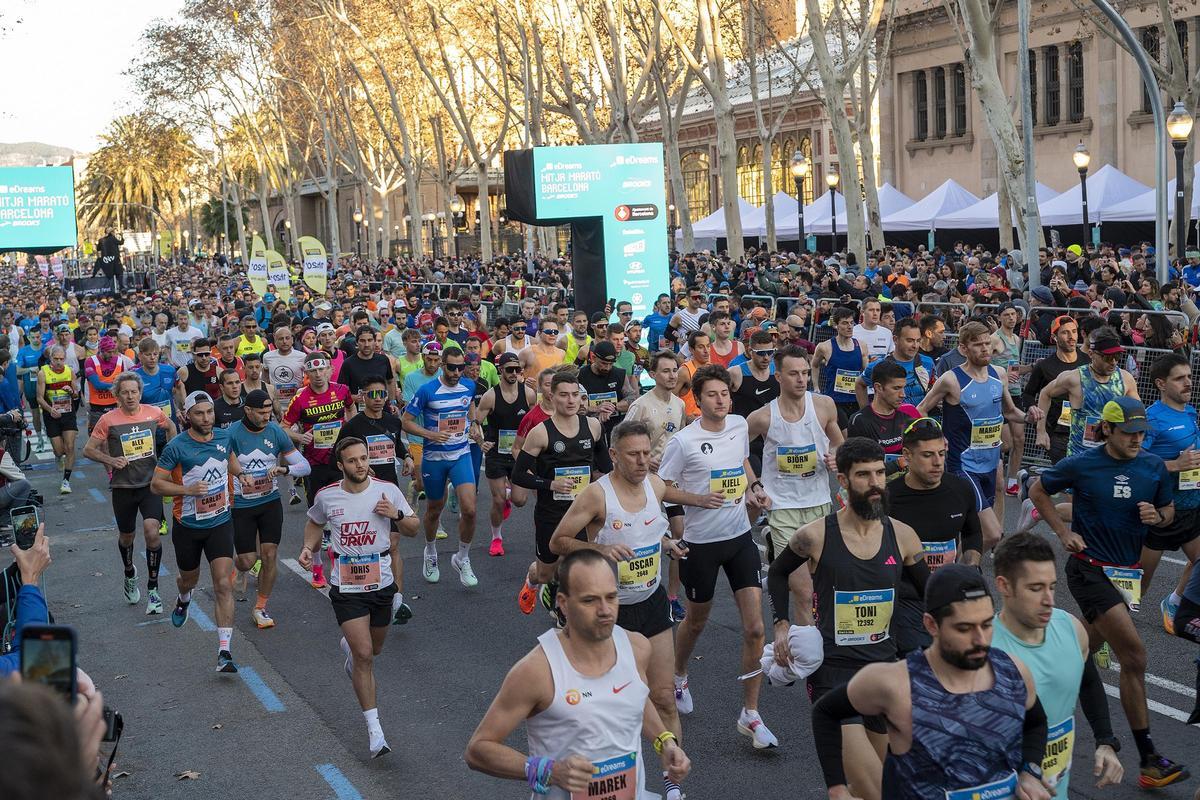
{"x":1026,"y":520}
{"x":379,"y":746}
{"x":430,"y":568}
{"x":349,"y":665}
{"x":751,"y":724}
{"x":683,"y":695}
{"x":465,"y":574}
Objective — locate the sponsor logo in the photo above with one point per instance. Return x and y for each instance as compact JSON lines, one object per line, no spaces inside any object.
{"x":636,"y":268}
{"x":574,"y":696}
{"x":357,"y":534}
{"x":617,"y":689}
{"x":706,"y":448}
{"x":617,"y":524}
{"x":633,"y":232}
{"x":559,"y":447}
{"x":635,"y":183}
{"x":620,"y":161}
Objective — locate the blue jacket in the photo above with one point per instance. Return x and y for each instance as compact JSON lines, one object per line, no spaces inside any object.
{"x":31,"y":610}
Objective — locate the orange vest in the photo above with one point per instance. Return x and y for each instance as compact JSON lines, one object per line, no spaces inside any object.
{"x":105,"y":397}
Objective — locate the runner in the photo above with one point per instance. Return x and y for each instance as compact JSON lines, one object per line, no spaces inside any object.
{"x":58,"y":395}
{"x":123,"y":441}
{"x":575,"y":342}
{"x":1120,"y":491}
{"x":918,"y":367}
{"x":101,"y":370}
{"x":516,"y":341}
{"x":544,"y":408}
{"x":712,"y":454}
{"x":579,"y":749}
{"x":698,"y":346}
{"x":265,"y":452}
{"x":366,"y":362}
{"x":250,"y":341}
{"x":856,"y":559}
{"x":194,"y":468}
{"x":887,"y":416}
{"x":254,"y":377}
{"x":544,"y":352}
{"x":500,"y":411}
{"x":284,"y":368}
{"x":431,"y":358}
{"x":228,"y":405}
{"x":201,"y":374}
{"x":874,"y":337}
{"x":1056,"y":425}
{"x":845,"y":359}
{"x":1006,"y":356}
{"x":360,"y":512}
{"x":180,"y":339}
{"x":963,"y":719}
{"x":605,"y":387}
{"x":724,"y":348}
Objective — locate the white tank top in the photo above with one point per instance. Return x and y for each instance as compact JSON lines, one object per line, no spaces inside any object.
{"x":794,"y":471}
{"x":509,"y":347}
{"x":642,"y":532}
{"x":598,"y":718}
{"x":72,"y":358}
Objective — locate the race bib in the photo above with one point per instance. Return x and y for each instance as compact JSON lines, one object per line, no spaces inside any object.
{"x":325,"y":434}
{"x":862,"y":617}
{"x":614,"y":779}
{"x":796,"y":461}
{"x":845,"y":381}
{"x":596,"y":399}
{"x":380,"y":449}
{"x":164,"y":406}
{"x":1003,"y":789}
{"x":286,"y":391}
{"x":505,"y":441}
{"x":641,"y":571}
{"x":255,"y":484}
{"x":1064,"y":416}
{"x":359,"y":573}
{"x":1128,"y":581}
{"x":1189,"y":479}
{"x":1060,"y":742}
{"x":213,"y":502}
{"x":1091,"y":432}
{"x":985,"y":433}
{"x":729,"y":482}
{"x":61,"y":403}
{"x":580,"y":477}
{"x":939,"y":554}
{"x":453,"y":423}
{"x":137,"y":444}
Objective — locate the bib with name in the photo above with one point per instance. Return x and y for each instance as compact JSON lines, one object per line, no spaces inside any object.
{"x":358,"y":574}
{"x":641,"y":571}
{"x":325,"y":434}
{"x":939,"y":554}
{"x":1060,"y":742}
{"x":1128,"y":581}
{"x":985,"y":433}
{"x":862,"y":617}
{"x":845,"y":381}
{"x":256,"y":484}
{"x":137,"y":444}
{"x":580,"y":477}
{"x":613,"y":779}
{"x":380,"y":449}
{"x":213,"y":502}
{"x":729,"y":482}
{"x":796,"y":461}
{"x":1189,"y":479}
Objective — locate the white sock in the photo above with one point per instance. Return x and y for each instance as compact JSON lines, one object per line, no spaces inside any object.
{"x":680,"y":680}
{"x":223,"y":637}
{"x":371,"y":715}
{"x":397,"y":601}
{"x":185,"y":597}
{"x":463,"y":548}
{"x":748,"y":714}
{"x":430,"y":549}
{"x":1175,"y":599}
{"x":496,"y":532}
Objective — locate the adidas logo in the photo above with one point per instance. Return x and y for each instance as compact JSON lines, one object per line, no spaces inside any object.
{"x":891,"y":562}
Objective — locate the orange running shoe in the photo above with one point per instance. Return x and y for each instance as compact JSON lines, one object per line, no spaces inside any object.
{"x":527,"y":598}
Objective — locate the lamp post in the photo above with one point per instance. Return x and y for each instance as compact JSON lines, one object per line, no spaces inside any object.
{"x":157,"y":248}
{"x":358,"y":218}
{"x":1179,"y":128}
{"x":186,"y":246}
{"x":831,"y":180}
{"x":1082,"y":159}
{"x":429,"y":218}
{"x":222,"y":235}
{"x":801,"y":166}
{"x":287,"y":234}
{"x":381,"y":241}
{"x":670,"y":226}
{"x":457,"y":207}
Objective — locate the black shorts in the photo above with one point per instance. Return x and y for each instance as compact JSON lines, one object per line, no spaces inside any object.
{"x":1091,"y":588}
{"x":737,"y":556}
{"x":128,"y":503}
{"x":649,"y":617}
{"x":321,"y":476}
{"x":845,"y":411}
{"x":55,"y":427}
{"x":254,"y":524}
{"x":1058,"y":445}
{"x":1187,"y":621}
{"x":498,"y":466}
{"x":95,"y":413}
{"x":377,"y":605}
{"x":829,"y":677}
{"x":543,"y":529}
{"x":1184,"y":528}
{"x":190,"y":543}
{"x":907,"y":628}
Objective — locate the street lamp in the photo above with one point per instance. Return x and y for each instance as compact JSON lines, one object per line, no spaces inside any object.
{"x":801,"y":166}
{"x":1179,"y":128}
{"x":1082,"y":158}
{"x":429,"y":218}
{"x":671,"y":226}
{"x":358,"y":217}
{"x":831,"y":180}
{"x":381,"y":241}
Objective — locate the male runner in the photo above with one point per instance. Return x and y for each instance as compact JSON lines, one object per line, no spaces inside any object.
{"x":254,"y":376}
{"x":201,"y":374}
{"x":123,"y":440}
{"x":101,"y":370}
{"x":228,"y":405}
{"x":856,"y":558}
{"x":605,"y":387}
{"x":1057,"y":422}
{"x":886,"y":417}
{"x":1006,"y":357}
{"x":544,"y":352}
{"x":575,"y":342}
{"x":194,"y":468}
{"x":366,"y":362}
{"x":918,"y":367}
{"x":689,"y":319}
{"x":250,"y":341}
{"x":284,"y":369}
{"x":1119,"y":492}
{"x":712,"y":454}
{"x":724,"y":348}
{"x":876,"y":338}
{"x":180,"y":338}
{"x":500,"y":412}
{"x":579,"y":749}
{"x":360,"y":512}
{"x":226,"y":355}
{"x":265,"y":452}
{"x":431,"y":369}
{"x":844,"y":358}
{"x":698,"y":344}
{"x":57,"y":394}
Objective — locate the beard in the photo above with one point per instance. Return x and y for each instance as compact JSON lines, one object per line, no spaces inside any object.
{"x":970,"y":660}
{"x":871,"y":504}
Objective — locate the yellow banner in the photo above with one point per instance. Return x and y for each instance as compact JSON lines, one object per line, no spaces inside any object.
{"x":277,"y":275}
{"x":256,"y":269}
{"x":316,"y":264}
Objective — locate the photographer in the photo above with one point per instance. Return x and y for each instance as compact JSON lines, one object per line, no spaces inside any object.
{"x":31,"y":603}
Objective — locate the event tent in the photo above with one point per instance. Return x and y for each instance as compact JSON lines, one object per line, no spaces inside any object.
{"x":986,"y":213}
{"x":713,"y":226}
{"x":1141,"y":207}
{"x":891,"y":200}
{"x":1106,"y":188}
{"x":815,"y":213}
{"x":923,"y":214}
{"x":755,"y":224}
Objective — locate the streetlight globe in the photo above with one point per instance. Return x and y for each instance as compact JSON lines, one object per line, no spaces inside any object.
{"x":287,"y":223}
{"x":800,"y":166}
{"x":1081,"y":157}
{"x":832,"y":178}
{"x":1179,"y":123}
{"x":457,"y":206}
{"x":357,"y":216}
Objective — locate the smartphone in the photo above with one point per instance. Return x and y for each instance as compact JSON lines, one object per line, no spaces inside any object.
{"x":25,"y":522}
{"x":48,"y":656}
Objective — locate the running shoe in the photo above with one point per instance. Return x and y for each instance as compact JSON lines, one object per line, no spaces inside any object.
{"x":162,"y":528}
{"x":421,"y":495}
{"x":1158,"y":772}
{"x":403,"y":615}
{"x":349,"y":663}
{"x":65,"y":488}
{"x":225,"y":662}
{"x":527,"y":598}
{"x":751,"y":724}
{"x":683,"y":695}
{"x":1028,"y":518}
{"x":379,"y":748}
{"x":452,"y":503}
{"x":318,"y":576}
{"x":546,"y":595}
{"x":179,"y":614}
{"x":1023,"y":485}
{"x":441,"y":532}
{"x":257,"y":568}
{"x":153,"y":602}
{"x":496,"y":548}
{"x":1103,"y":657}
{"x":462,"y":566}
{"x":430,"y":568}
{"x":262,"y":619}
{"x":678,"y":612}
{"x":1013,"y":487}
{"x":1169,"y":610}
{"x":507,"y":508}
{"x":132,"y":593}
{"x":671,"y":790}
{"x":294,"y":499}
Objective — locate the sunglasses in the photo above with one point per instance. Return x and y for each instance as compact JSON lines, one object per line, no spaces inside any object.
{"x":512,"y":370}
{"x":550,"y":331}
{"x":764,"y":353}
{"x":625,"y":313}
{"x":453,"y":367}
{"x":924,"y":422}
{"x":375,"y":394}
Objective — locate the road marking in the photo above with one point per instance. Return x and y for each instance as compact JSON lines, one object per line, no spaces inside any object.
{"x":343,"y":789}
{"x":1163,"y":683}
{"x":154,"y":622}
{"x":196,"y":613}
{"x":1153,"y":705}
{"x":269,"y":699}
{"x":96,"y":494}
{"x":304,"y":574}
{"x":1180,"y":561}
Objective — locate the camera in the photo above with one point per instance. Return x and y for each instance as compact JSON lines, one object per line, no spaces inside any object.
{"x":114,"y":723}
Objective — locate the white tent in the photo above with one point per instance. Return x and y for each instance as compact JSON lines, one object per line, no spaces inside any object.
{"x":891,"y":200}
{"x":756,"y":223}
{"x":713,"y":226}
{"x":923,"y":214}
{"x":1106,"y":188}
{"x":1141,"y":208}
{"x":986,"y":213}
{"x":815,"y":213}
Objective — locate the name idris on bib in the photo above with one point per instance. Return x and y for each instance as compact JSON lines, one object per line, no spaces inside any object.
{"x":641,"y":571}
{"x":729,"y":482}
{"x":614,"y":779}
{"x":862,"y":617}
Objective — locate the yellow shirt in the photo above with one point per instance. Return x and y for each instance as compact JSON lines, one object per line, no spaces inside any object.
{"x":246,"y":346}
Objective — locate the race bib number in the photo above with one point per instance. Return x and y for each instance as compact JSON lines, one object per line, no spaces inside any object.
{"x":380,"y":449}
{"x":939,"y":554}
{"x":985,"y":433}
{"x":1091,"y":432}
{"x":325,"y":434}
{"x":1128,"y":582}
{"x":597,"y":399}
{"x":862,"y":617}
{"x":359,"y":573}
{"x":61,"y":403}
{"x":614,"y":779}
{"x":137,"y":444}
{"x":1189,"y":479}
{"x":845,"y":381}
{"x":256,"y":484}
{"x":1060,"y":742}
{"x":453,"y":423}
{"x":163,"y":406}
{"x":729,"y":482}
{"x":505,"y":441}
{"x":1064,"y":416}
{"x":580,"y":477}
{"x":286,"y":391}
{"x":797,"y":461}
{"x":641,"y":571}
{"x":213,"y":502}
{"x":1003,"y":789}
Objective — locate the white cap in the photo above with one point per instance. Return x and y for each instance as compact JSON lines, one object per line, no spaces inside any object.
{"x":195,"y":398}
{"x":325,"y":326}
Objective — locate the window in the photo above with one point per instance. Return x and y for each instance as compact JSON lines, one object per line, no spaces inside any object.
{"x":1051,"y":116}
{"x":960,"y":100}
{"x":1181,"y":31}
{"x":1150,"y":44}
{"x":921,"y":104}
{"x":1033,"y":85}
{"x":694,"y":166}
{"x":749,"y":174}
{"x":781,"y":172}
{"x":1075,"y":105}
{"x":939,"y":103}
{"x":807,"y":148}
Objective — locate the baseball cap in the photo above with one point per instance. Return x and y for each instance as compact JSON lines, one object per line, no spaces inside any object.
{"x":954,"y":583}
{"x":1126,"y":413}
{"x":258,"y":399}
{"x":604,"y":350}
{"x":1060,"y":320}
{"x":324,"y":306}
{"x":999,"y":272}
{"x":431,"y":347}
{"x":506,"y":358}
{"x":326,"y":327}
{"x":63,"y":328}
{"x":1107,"y":343}
{"x":1043,"y":294}
{"x":194,"y":399}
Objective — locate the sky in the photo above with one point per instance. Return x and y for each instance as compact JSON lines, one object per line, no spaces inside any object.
{"x":64,"y":62}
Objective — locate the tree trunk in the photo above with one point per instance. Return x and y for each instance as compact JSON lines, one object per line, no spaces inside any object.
{"x":416,"y":231}
{"x":866,"y":149}
{"x":485,"y":212}
{"x":1004,"y":206}
{"x":683,"y":209}
{"x":237,"y":219}
{"x":264,"y":212}
{"x":727,"y":166}
{"x":843,"y":138}
{"x":385,"y":223}
{"x":768,"y":191}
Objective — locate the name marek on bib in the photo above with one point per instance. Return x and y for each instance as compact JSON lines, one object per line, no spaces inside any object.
{"x":614,"y":779}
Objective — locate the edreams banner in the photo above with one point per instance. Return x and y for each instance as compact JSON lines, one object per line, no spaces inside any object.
{"x":37,"y":208}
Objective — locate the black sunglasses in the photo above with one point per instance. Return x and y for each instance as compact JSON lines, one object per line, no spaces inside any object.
{"x":453,"y":367}
{"x":512,"y":370}
{"x":375,"y":394}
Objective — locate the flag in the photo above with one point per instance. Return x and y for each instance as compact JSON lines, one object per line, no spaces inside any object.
{"x":277,"y":274}
{"x":257,"y":269}
{"x":316,"y":263}
{"x":56,"y":264}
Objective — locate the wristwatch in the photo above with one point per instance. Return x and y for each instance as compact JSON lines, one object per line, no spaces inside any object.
{"x":1111,"y":741}
{"x":1033,"y":769}
{"x":287,"y":469}
{"x":756,"y":483}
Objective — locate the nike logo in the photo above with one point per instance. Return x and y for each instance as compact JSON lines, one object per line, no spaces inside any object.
{"x":650,"y":521}
{"x":760,"y":391}
{"x":617,"y":689}
{"x":891,"y":562}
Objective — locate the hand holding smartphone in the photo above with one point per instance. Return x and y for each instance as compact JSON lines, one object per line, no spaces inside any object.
{"x":48,"y":655}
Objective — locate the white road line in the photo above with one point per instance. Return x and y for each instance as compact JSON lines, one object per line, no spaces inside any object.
{"x":1180,"y":561}
{"x":306,"y":576}
{"x":1163,"y":683}
{"x":1153,"y":705}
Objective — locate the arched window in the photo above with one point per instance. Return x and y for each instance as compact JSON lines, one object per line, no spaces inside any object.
{"x":749,"y":174}
{"x":807,"y":149}
{"x":694,"y":166}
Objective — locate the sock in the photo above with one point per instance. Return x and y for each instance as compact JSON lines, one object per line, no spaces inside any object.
{"x":1174,"y":599}
{"x":66,"y":474}
{"x":431,"y":549}
{"x":374,"y":729}
{"x":317,"y":558}
{"x":747,"y":714}
{"x":397,"y":601}
{"x":153,"y":561}
{"x":223,"y":637}
{"x":1037,"y":515}
{"x":185,"y":597}
{"x":672,"y":597}
{"x":261,"y":602}
{"x":1144,"y":744}
{"x":463,"y":548}
{"x":680,"y":680}
{"x":671,"y":788}
{"x":496,"y":532}
{"x":127,"y":558}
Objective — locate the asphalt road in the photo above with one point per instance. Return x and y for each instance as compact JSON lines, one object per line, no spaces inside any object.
{"x":288,"y":725}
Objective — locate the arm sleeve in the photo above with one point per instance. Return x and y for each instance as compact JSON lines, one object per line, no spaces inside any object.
{"x":827,"y":716}
{"x":298,"y":465}
{"x":523,"y":475}
{"x":785,"y":563}
{"x":1034,"y":385}
{"x":1094,"y":701}
{"x":1033,"y":737}
{"x":918,"y":573}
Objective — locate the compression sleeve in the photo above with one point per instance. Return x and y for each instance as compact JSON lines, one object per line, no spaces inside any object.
{"x":785,"y":563}
{"x":827,"y":716}
{"x":523,"y":475}
{"x":298,"y":465}
{"x":1094,"y":701}
{"x":601,"y":460}
{"x":1033,"y":737}
{"x":918,"y":573}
